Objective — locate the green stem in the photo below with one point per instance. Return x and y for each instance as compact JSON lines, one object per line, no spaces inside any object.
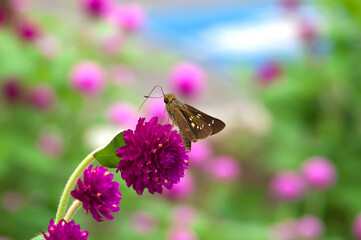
{"x":70,"y":185}
{"x":69,"y":214}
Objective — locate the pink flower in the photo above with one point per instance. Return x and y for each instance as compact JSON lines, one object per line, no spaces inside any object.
{"x":225,"y":168}
{"x":308,"y":31}
{"x":87,"y":78}
{"x":155,"y":108}
{"x":201,"y":153}
{"x":287,"y":185}
{"x":130,"y":17}
{"x":96,"y":8}
{"x":285,"y":230}
{"x":123,"y":114}
{"x":42,"y":97}
{"x":319,"y":172}
{"x":309,"y":227}
{"x":50,"y":144}
{"x":183,"y":189}
{"x":268,"y":72}
{"x":291,"y":5}
{"x":179,"y":233}
{"x":28,"y":31}
{"x":183,"y":215}
{"x":144,"y":222}
{"x":356,"y":227}
{"x":112,"y":44}
{"x":187,"y":79}
{"x":12,"y":90}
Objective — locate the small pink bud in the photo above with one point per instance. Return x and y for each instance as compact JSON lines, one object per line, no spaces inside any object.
{"x":319,"y":172}
{"x":287,"y":185}
{"x":225,"y":168}
{"x":309,"y":227}
{"x":42,"y":97}
{"x":123,"y":114}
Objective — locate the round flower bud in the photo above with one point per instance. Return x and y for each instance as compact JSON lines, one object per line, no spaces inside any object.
{"x":319,"y":172}
{"x":287,"y":185}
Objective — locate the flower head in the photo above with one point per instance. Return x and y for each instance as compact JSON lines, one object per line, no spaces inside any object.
{"x":356,"y":227}
{"x":319,"y":172}
{"x":131,"y":17}
{"x":12,"y":90}
{"x":154,"y":156}
{"x":96,"y":8}
{"x":87,"y":78}
{"x":225,"y":168}
{"x":187,"y":79}
{"x":182,"y":190}
{"x":144,"y":222}
{"x":309,"y":227}
{"x":65,"y":231}
{"x":268,"y":72}
{"x":200,"y":154}
{"x":42,"y":97}
{"x":287,"y":185}
{"x":28,"y":31}
{"x":98,"y":193}
{"x":122,"y":114}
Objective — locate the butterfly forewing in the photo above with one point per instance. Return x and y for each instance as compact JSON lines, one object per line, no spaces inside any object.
{"x":215,"y":124}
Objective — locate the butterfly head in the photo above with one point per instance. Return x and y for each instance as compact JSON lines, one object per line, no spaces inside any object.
{"x":169,"y":98}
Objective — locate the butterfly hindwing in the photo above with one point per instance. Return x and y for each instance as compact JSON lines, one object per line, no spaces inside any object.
{"x":215,"y":124}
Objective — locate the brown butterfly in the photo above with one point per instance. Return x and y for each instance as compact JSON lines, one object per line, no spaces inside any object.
{"x":192,"y":123}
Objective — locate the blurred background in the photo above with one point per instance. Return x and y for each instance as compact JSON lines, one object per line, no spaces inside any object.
{"x":284,"y":75}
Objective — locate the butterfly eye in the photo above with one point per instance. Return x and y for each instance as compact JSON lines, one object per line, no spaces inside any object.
{"x":166,"y":100}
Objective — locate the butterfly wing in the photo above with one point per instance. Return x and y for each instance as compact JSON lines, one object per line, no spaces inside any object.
{"x":215,"y":124}
{"x":190,"y":127}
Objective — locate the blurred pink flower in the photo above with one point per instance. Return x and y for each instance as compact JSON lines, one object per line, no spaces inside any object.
{"x":131,"y":17}
{"x":268,"y":72}
{"x":88,"y":78}
{"x":225,"y":168}
{"x":155,"y":107}
{"x":42,"y":97}
{"x":183,"y":215}
{"x":179,"y":233}
{"x":12,"y":90}
{"x":111,"y":44}
{"x":287,"y":185}
{"x":18,"y":6}
{"x":50,"y":144}
{"x":48,"y":46}
{"x":284,"y":230}
{"x":2,"y":17}
{"x":356,"y":227}
{"x":291,"y":5}
{"x":319,"y":172}
{"x":12,"y":201}
{"x":200,"y":154}
{"x":123,"y":114}
{"x":182,"y":190}
{"x":121,"y":74}
{"x":27,"y":31}
{"x":187,"y":79}
{"x":309,"y":227}
{"x":308,"y":30}
{"x":143,"y":222}
{"x":96,"y":8}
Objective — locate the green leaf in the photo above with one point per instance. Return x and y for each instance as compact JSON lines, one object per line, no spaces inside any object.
{"x":40,"y":237}
{"x":107,"y":156}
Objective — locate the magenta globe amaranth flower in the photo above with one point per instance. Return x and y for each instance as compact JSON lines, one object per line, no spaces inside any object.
{"x":130,"y":17}
{"x":12,"y":90}
{"x":309,"y":227}
{"x":319,"y":172}
{"x":42,"y":97}
{"x":96,"y":8}
{"x":187,"y":79}
{"x":153,"y":157}
{"x":123,"y":114}
{"x":200,"y":154}
{"x":182,"y":190}
{"x":99,"y":194}
{"x":268,"y":72}
{"x":87,"y":78}
{"x":65,"y":231}
{"x":225,"y":168}
{"x":287,"y":185}
{"x":28,"y":31}
{"x":356,"y":227}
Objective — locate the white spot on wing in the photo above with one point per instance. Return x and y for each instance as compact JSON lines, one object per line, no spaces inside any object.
{"x":193,"y":125}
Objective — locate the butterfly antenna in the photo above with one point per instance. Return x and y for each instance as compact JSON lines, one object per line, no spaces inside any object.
{"x":146,"y":97}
